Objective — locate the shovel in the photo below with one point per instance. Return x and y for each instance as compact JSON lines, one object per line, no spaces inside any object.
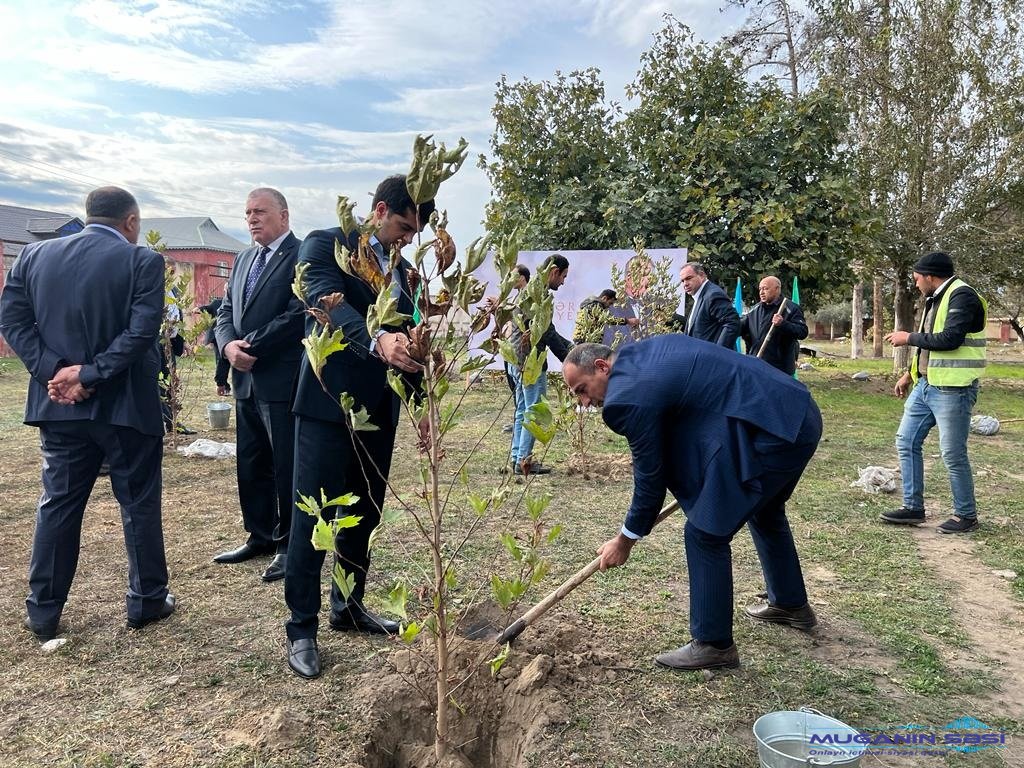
{"x":513,"y":630}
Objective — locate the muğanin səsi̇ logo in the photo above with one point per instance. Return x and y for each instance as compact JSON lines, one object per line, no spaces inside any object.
{"x":965,"y":734}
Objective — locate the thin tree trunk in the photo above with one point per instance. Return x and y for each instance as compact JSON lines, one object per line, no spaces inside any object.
{"x":878,"y":312}
{"x":857,"y":322}
{"x":903,"y":310}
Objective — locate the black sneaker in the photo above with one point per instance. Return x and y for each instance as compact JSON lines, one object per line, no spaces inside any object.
{"x":903,"y":516}
{"x":958,"y":524}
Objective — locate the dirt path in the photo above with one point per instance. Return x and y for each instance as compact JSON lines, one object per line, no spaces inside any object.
{"x":993,"y":620}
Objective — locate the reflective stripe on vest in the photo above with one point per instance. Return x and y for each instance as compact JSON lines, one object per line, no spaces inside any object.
{"x":961,"y":366}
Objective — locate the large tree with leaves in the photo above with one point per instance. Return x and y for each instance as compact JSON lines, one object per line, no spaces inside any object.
{"x":933,"y":88}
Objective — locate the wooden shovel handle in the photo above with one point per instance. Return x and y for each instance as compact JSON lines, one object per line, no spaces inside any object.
{"x":768,"y":336}
{"x":513,"y":630}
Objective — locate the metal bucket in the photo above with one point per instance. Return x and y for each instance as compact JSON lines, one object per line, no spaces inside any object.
{"x":219,"y":415}
{"x":784,"y":740}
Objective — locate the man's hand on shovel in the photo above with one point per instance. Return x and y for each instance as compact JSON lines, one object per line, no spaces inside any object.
{"x":615,"y":552}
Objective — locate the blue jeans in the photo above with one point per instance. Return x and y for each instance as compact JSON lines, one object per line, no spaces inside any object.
{"x":950,"y":409}
{"x":526,"y":395}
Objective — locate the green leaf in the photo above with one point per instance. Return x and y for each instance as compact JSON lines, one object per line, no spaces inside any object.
{"x":409,"y":633}
{"x":299,"y":282}
{"x":346,"y":500}
{"x":358,"y":420}
{"x":396,"y":383}
{"x":539,"y":573}
{"x":502,"y":591}
{"x":476,"y":253}
{"x":508,"y":352}
{"x":475,"y":363}
{"x":348,"y":521}
{"x":346,"y":217}
{"x":499,"y":661}
{"x":309,"y":505}
{"x":554,"y":533}
{"x":510,"y":543}
{"x":323,"y":536}
{"x":320,"y":346}
{"x":478,"y":503}
{"x":346,"y":582}
{"x":535,"y":505}
{"x":533,"y":367}
{"x":396,"y":600}
{"x":540,"y":421}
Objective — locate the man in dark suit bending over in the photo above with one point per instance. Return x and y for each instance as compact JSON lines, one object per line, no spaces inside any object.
{"x":727,"y":436}
{"x":329,"y":456}
{"x":259,"y":332}
{"x":712,"y":316}
{"x":83,"y":313}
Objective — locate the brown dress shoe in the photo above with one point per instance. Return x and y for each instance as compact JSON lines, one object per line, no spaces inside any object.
{"x":698,"y":655}
{"x":798,"y":618}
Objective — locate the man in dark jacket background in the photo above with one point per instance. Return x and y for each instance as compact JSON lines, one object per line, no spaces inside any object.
{"x":712,"y":317}
{"x":782,"y":349}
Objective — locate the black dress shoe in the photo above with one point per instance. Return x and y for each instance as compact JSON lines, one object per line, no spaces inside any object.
{"x":43,"y":632}
{"x":304,"y":657}
{"x":275,"y":570}
{"x":165,"y":610}
{"x":698,"y":655}
{"x":245,"y":552}
{"x":355,"y":618}
{"x":798,"y":618}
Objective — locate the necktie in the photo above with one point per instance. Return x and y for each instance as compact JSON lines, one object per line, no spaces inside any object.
{"x":258,"y":265}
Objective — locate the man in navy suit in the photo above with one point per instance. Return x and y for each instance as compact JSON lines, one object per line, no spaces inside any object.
{"x":83,"y":313}
{"x":259,"y":331}
{"x":329,"y":456}
{"x":728,"y":437}
{"x":712,"y":316}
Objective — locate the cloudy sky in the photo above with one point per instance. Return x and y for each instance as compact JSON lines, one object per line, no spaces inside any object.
{"x":191,"y":104}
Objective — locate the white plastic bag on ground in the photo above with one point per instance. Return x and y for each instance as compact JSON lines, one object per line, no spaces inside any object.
{"x":209,"y":449}
{"x":984,"y":425}
{"x":876,"y":479}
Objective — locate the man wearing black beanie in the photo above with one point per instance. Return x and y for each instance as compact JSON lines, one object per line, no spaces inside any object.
{"x":943,"y":386}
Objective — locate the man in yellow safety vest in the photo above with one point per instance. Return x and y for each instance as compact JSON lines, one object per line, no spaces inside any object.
{"x":943,"y":387}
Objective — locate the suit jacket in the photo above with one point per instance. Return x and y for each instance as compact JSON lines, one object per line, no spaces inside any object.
{"x":355,"y":370}
{"x":212,"y":309}
{"x":784,"y":345}
{"x":716,"y":319}
{"x":96,"y":300}
{"x":271,"y":321}
{"x":697,"y":417}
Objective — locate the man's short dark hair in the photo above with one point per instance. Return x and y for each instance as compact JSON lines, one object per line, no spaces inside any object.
{"x":109,"y":205}
{"x":560,"y":262}
{"x":584,"y":355}
{"x":523,"y":270}
{"x":395,"y":193}
{"x":697,"y":267}
{"x":608,"y":293}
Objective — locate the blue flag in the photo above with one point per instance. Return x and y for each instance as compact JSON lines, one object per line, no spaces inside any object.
{"x":796,"y":300}
{"x":737,"y":302}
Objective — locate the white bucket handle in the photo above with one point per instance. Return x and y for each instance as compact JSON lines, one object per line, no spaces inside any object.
{"x":812,"y":761}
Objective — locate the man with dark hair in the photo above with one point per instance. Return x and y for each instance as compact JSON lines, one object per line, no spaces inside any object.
{"x":330,"y":457}
{"x":712,"y":317}
{"x":943,"y":387}
{"x":782,"y":349}
{"x":729,"y":438}
{"x":521,"y":461}
{"x":593,"y":317}
{"x":93,"y":357}
{"x":259,"y":330}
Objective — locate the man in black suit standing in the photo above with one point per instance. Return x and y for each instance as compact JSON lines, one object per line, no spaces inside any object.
{"x":783,"y":348}
{"x":83,"y":313}
{"x":259,"y":332}
{"x":220,"y":374}
{"x":330,"y":457}
{"x":712,"y":316}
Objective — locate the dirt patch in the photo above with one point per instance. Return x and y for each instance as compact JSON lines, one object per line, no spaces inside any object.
{"x":993,"y":620}
{"x":615,"y":468}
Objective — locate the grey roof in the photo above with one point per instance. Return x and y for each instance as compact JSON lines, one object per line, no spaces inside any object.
{"x":180,"y":232}
{"x":49,"y":226}
{"x":20,"y":226}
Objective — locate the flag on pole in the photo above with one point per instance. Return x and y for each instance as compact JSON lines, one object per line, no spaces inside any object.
{"x":416,"y":316}
{"x":796,"y":300}
{"x":737,"y":302}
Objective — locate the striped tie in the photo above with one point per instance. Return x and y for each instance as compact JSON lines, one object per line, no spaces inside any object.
{"x":258,"y":265}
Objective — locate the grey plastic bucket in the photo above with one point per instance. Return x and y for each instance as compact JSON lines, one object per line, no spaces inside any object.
{"x":219,"y":415}
{"x":784,"y":740}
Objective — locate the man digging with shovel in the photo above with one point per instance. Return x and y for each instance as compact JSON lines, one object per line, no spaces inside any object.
{"x":729,"y":437}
